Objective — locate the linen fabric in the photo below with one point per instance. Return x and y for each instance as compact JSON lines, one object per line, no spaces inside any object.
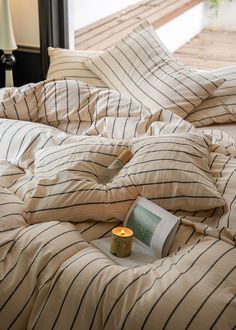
{"x":67,"y":63}
{"x":220,"y":107}
{"x":140,"y":65}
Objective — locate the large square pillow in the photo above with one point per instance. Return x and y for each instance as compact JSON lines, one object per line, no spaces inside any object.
{"x":140,"y":65}
{"x":171,"y":170}
{"x":66,"y":63}
{"x":220,"y":107}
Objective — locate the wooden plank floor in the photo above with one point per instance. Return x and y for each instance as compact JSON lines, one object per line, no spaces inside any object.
{"x":209,"y":50}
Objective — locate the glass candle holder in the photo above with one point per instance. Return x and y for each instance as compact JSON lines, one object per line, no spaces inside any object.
{"x":121,"y":241}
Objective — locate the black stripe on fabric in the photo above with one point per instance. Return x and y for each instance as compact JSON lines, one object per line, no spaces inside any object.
{"x":109,"y":230}
{"x":56,"y":103}
{"x":10,"y":125}
{"x":22,"y":185}
{"x":88,"y":105}
{"x":231,"y":212}
{"x":94,"y":203}
{"x":10,"y":229}
{"x":166,"y":272}
{"x":59,"y":274}
{"x":5,"y":243}
{"x":80,"y":204}
{"x":45,"y":102}
{"x":103,"y":292}
{"x":228,"y":181}
{"x":15,"y":108}
{"x":105,"y":189}
{"x":223,"y":310}
{"x":123,"y":292}
{"x":172,"y":138}
{"x":42,"y":147}
{"x":207,"y":298}
{"x":11,"y":203}
{"x":20,"y":281}
{"x":78,"y":107}
{"x":70,"y":162}
{"x":67,"y":105}
{"x":193,"y":287}
{"x":113,"y":72}
{"x":27,"y":106}
{"x":180,"y":66}
{"x":167,"y":159}
{"x":75,"y":153}
{"x":12,"y":139}
{"x":30,"y":145}
{"x":184,"y":272}
{"x":86,"y":290}
{"x":35,"y":287}
{"x":10,"y":175}
{"x":156,"y":76}
{"x":4,"y":109}
{"x":96,"y":112}
{"x":135,"y":83}
{"x":25,"y":246}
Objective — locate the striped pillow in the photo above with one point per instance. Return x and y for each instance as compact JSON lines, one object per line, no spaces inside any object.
{"x":172,"y":170}
{"x":66,"y":63}
{"x":220,"y":107}
{"x":141,"y":66}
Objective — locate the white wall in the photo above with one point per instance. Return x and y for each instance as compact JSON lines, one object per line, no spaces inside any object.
{"x":25,"y":22}
{"x":226,"y":18}
{"x":181,"y":29}
{"x":84,"y":12}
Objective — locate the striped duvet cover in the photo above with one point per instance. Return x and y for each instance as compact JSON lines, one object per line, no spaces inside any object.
{"x":55,"y":138}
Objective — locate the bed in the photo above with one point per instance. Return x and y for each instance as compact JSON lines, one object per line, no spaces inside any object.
{"x":56,"y":137}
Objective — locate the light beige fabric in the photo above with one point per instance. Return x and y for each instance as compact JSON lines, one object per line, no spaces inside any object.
{"x":220,"y":107}
{"x":51,"y":277}
{"x":67,"y":63}
{"x":140,"y":65}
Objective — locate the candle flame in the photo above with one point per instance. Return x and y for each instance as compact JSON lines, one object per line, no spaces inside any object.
{"x":122,"y":232}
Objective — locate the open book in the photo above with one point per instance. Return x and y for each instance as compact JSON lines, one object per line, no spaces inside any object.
{"x":154,"y":229}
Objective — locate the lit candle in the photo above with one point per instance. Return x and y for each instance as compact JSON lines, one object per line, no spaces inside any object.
{"x":121,"y":241}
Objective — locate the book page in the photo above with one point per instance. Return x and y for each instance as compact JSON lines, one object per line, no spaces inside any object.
{"x":153,"y":226}
{"x":140,"y":255}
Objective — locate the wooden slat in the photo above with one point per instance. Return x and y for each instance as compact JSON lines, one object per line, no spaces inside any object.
{"x":104,"y":33}
{"x":209,"y":50}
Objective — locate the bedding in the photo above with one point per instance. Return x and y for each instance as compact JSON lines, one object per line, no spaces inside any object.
{"x":56,"y":136}
{"x":139,"y":65}
{"x":220,"y":106}
{"x":67,"y":63}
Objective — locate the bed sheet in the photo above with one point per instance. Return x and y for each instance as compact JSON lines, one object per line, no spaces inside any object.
{"x":52,"y":278}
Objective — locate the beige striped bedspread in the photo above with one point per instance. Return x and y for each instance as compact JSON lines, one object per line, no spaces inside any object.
{"x":55,"y":138}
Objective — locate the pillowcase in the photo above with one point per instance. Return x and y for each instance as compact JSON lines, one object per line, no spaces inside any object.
{"x":66,"y":63}
{"x":220,"y":107}
{"x":142,"y":67}
{"x":171,"y":170}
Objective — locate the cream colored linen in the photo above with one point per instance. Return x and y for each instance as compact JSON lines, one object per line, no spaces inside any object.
{"x":220,"y":107}
{"x":139,"y":65}
{"x":67,"y":63}
{"x":51,"y":278}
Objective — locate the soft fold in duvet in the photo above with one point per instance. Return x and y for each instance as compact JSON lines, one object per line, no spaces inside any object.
{"x":56,"y":137}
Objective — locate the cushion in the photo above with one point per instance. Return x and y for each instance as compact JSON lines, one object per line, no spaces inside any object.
{"x":171,"y":170}
{"x":66,"y":63}
{"x":140,"y":65}
{"x":220,"y":107}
